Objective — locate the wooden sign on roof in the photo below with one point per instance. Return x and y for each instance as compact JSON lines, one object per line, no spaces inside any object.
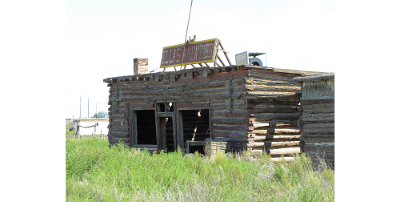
{"x":195,"y":53}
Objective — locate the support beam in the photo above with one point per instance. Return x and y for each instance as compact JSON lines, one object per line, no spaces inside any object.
{"x":220,"y":61}
{"x":226,"y":55}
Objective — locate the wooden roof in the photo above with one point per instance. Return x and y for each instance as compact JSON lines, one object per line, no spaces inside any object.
{"x":201,"y":70}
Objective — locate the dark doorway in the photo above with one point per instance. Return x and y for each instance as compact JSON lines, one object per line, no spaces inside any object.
{"x":146,"y":128}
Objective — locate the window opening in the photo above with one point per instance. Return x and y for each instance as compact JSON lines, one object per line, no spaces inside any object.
{"x":146,"y":127}
{"x":195,"y":127}
{"x":165,"y":107}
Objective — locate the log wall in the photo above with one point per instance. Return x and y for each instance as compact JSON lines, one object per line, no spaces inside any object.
{"x":252,"y":108}
{"x":318,"y":119}
{"x":217,"y":90}
{"x":273,"y":110}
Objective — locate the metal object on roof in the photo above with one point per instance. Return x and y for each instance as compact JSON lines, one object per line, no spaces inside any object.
{"x":243,"y":59}
{"x":255,"y":54}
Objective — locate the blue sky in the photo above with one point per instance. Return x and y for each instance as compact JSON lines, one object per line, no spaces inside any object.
{"x":104,"y":36}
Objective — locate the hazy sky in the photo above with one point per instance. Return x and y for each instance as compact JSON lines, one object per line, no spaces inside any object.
{"x":103,"y":37}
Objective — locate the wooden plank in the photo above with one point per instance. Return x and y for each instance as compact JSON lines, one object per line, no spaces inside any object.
{"x":318,"y":125}
{"x":226,"y":56}
{"x":317,"y":101}
{"x":317,"y":148}
{"x":319,"y":108}
{"x":317,"y":138}
{"x":318,"y":130}
{"x":219,"y":59}
{"x":325,"y":117}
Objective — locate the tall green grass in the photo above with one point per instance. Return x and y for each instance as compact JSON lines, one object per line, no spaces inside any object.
{"x":95,"y":172}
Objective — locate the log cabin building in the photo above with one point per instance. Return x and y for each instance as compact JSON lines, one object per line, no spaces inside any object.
{"x":232,"y":108}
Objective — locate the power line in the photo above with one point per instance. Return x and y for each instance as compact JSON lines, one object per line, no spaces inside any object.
{"x":187,"y":27}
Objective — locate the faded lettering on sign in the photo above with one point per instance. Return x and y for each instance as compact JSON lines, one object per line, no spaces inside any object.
{"x":196,"y":52}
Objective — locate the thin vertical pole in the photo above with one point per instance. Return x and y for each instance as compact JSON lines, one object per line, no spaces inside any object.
{"x":80,"y":108}
{"x":88,"y":107}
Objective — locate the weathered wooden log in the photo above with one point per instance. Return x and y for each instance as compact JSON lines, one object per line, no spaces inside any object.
{"x":319,"y":130}
{"x":269,"y":144}
{"x":275,"y":116}
{"x":275,"y":110}
{"x":116,"y":140}
{"x":318,"y":125}
{"x":274,"y":123}
{"x":272,"y":131}
{"x":317,"y":101}
{"x":280,"y":88}
{"x":230,"y":134}
{"x":117,"y":133}
{"x":319,"y":148}
{"x":120,"y":129}
{"x":274,"y":137}
{"x":317,"y":138}
{"x":326,"y":117}
{"x":319,"y":108}
{"x":229,"y":121}
{"x":278,"y":151}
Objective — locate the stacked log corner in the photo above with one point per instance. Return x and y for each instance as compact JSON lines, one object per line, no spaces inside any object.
{"x":317,"y":119}
{"x":273,"y":110}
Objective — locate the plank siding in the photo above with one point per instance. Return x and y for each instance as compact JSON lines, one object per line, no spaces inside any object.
{"x":317,"y":119}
